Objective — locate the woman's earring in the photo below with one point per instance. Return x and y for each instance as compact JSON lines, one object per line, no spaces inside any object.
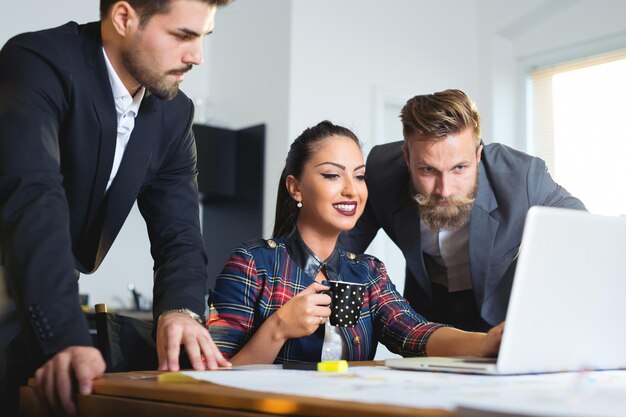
{"x":299,"y":205}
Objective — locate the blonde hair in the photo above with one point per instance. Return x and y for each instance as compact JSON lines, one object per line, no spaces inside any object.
{"x":435,"y":116}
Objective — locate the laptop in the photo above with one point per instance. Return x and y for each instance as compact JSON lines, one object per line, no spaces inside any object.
{"x":567,"y":305}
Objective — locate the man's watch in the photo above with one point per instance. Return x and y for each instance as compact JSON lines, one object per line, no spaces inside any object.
{"x":183,"y":311}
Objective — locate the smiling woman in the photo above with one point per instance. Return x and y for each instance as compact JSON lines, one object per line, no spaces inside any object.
{"x":271,"y":302}
{"x":325,"y":167}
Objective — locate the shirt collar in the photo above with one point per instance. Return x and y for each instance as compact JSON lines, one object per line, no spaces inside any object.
{"x":310,"y":263}
{"x":124,"y":102}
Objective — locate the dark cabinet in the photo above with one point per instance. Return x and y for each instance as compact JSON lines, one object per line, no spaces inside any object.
{"x":230,"y":179}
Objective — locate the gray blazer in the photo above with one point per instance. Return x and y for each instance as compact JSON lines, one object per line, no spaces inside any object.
{"x":510,"y":182}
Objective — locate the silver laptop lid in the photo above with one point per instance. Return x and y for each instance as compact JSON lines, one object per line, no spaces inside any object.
{"x":568,"y":298}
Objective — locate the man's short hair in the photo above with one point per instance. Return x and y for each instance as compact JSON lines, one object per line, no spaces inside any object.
{"x":148,"y":8}
{"x":435,"y":116}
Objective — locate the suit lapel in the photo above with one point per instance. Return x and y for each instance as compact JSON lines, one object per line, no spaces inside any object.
{"x":131,"y":174}
{"x":104,"y":108}
{"x":406,"y":227}
{"x":482,"y":233}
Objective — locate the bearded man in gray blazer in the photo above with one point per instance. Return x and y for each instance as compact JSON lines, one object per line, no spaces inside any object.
{"x":455,"y":207}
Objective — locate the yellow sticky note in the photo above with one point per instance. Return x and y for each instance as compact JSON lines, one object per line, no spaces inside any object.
{"x":175,"y":377}
{"x":333,"y":366}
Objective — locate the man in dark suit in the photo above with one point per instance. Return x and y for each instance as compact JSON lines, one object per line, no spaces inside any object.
{"x":455,"y":207}
{"x":90,"y":121}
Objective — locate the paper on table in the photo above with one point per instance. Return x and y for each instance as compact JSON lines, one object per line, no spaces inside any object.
{"x":534,"y":393}
{"x":585,"y":394}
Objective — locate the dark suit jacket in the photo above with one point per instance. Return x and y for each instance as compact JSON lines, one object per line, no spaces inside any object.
{"x":57,"y":141}
{"x":510,"y":182}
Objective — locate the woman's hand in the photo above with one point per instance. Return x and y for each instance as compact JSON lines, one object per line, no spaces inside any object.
{"x":299,"y":317}
{"x":304,"y":313}
{"x":448,"y":341}
{"x":491,"y":342}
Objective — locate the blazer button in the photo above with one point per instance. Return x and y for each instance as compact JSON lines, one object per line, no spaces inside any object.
{"x":356,"y":340}
{"x":271,"y":243}
{"x":350,"y":256}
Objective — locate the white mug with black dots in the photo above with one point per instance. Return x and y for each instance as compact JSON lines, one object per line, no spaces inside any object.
{"x":346,"y":302}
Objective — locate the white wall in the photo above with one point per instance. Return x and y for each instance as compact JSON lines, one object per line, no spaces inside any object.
{"x":17,"y":16}
{"x":345,"y":53}
{"x":250,"y":79}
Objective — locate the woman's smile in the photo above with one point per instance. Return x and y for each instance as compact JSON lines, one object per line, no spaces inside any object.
{"x":347,"y":208}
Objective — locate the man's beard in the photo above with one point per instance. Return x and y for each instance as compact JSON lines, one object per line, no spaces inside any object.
{"x":141,"y":70}
{"x":446,"y":217}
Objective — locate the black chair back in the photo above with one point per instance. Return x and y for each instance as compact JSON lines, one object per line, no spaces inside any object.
{"x":126,"y":342}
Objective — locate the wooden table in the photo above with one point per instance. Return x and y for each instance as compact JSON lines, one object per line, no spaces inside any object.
{"x":140,"y":394}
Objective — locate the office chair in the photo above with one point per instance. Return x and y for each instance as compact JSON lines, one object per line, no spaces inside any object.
{"x":126,"y":342}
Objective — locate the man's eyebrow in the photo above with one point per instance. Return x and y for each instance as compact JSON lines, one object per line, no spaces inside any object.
{"x":193,"y":32}
{"x":419,"y":161}
{"x":424,"y":163}
{"x":463,"y":162}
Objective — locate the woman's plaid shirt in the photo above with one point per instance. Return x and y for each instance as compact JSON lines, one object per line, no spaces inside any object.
{"x":260,"y":277}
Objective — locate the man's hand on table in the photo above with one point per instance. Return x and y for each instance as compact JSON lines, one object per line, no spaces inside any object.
{"x":56,"y":379}
{"x":175,"y":329}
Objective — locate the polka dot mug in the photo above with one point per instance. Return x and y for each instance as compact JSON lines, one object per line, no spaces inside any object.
{"x":346,"y":302}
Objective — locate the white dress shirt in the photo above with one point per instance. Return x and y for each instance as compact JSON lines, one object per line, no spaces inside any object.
{"x":334,"y":346}
{"x":126,"y":107}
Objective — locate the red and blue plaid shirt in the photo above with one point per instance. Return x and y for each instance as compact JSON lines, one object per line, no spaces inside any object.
{"x":260,"y":277}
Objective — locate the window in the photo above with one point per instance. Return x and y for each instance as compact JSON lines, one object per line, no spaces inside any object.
{"x":577,"y":124}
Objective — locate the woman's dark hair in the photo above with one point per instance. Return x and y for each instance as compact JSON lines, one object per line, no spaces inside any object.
{"x":299,"y":153}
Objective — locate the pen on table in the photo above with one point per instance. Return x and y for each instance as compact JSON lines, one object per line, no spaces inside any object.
{"x":324,"y":366}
